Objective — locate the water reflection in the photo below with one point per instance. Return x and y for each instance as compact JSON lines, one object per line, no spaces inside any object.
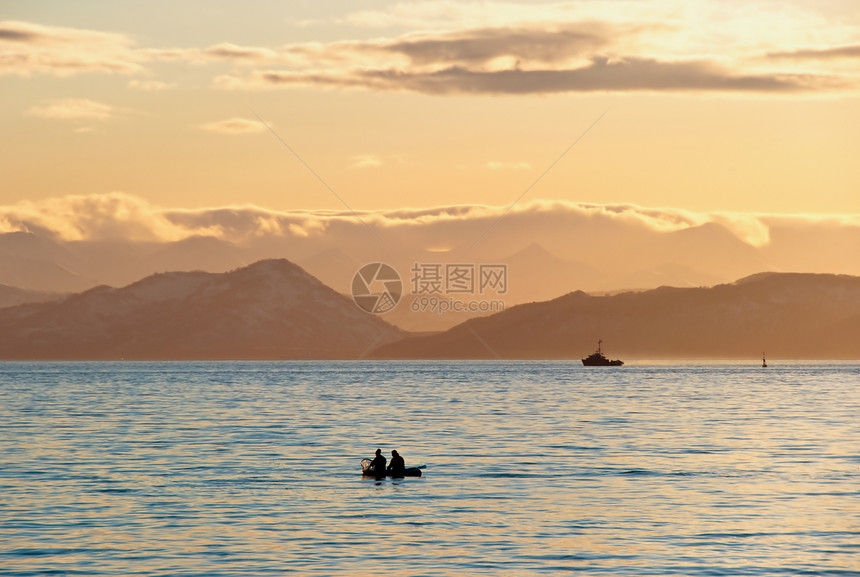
{"x":252,"y":468}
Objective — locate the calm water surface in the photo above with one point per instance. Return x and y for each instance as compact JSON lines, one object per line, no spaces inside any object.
{"x":532,"y":468}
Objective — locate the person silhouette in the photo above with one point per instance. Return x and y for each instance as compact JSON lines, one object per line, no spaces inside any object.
{"x":397,"y":466}
{"x":377,"y":466}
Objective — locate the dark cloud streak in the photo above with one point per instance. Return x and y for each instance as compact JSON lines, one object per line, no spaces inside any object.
{"x":232,"y":51}
{"x":483,"y":45}
{"x":602,"y":74}
{"x":12,"y":34}
{"x":848,"y":51}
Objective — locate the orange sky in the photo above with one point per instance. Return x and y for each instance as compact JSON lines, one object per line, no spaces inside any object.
{"x":712,"y":106}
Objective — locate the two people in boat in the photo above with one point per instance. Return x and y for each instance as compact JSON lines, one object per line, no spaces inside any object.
{"x":395,"y":468}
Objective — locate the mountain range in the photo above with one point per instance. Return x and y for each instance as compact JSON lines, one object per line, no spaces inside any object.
{"x":269,"y":310}
{"x":787,"y":315}
{"x":11,"y":296}
{"x":547,"y":253}
{"x":273,"y":309}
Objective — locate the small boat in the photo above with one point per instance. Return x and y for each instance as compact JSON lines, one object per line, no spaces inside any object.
{"x":407,"y":472}
{"x":596,"y":359}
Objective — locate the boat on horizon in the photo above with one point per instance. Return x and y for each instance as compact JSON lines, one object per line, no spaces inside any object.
{"x":596,"y":359}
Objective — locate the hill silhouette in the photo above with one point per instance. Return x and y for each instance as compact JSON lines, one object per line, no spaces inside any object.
{"x":11,"y":296}
{"x":549,"y":249}
{"x":271,"y":309}
{"x":789,"y":315}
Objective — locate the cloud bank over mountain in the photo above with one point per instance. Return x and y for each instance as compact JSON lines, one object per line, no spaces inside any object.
{"x":549,"y":248}
{"x":123,"y":216}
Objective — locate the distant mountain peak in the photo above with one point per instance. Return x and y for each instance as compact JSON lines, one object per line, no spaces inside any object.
{"x":769,"y":276}
{"x":759,"y":276}
{"x":271,"y":265}
{"x":269,"y":309}
{"x":202,"y":240}
{"x":535,"y":250}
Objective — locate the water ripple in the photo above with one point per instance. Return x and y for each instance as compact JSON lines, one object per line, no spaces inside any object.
{"x":251,"y":468}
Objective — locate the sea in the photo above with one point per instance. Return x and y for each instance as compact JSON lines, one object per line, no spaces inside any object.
{"x":532,"y":468}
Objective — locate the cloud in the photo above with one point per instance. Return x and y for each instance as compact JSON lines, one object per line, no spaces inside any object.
{"x":235,"y":125}
{"x":72,"y":109}
{"x":581,"y":51}
{"x":112,"y":216}
{"x":495,"y":47}
{"x":236,"y":52}
{"x":601,"y":74}
{"x":835,"y":52}
{"x":621,"y":238}
{"x":448,"y":14}
{"x":551,"y":247}
{"x":459,"y":225}
{"x":122,"y":215}
{"x":750,"y":228}
{"x":150,"y":85}
{"x":492,"y":47}
{"x":668,"y":29}
{"x":721,"y":26}
{"x":365,"y":161}
{"x":27,"y":49}
{"x":223,"y":51}
{"x":481,"y":46}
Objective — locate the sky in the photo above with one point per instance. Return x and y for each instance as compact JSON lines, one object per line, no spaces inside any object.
{"x":741,"y":107}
